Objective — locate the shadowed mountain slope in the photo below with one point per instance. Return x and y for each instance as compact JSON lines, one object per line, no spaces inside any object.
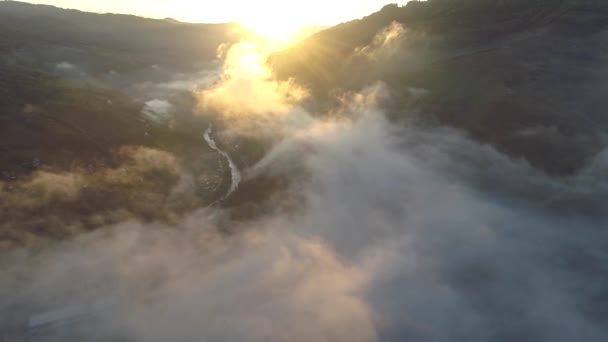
{"x":63,"y":72}
{"x":527,"y":76}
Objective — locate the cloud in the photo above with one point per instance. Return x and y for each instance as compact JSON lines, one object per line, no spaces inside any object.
{"x":445,"y":256}
{"x":65,"y":66}
{"x":141,"y":183}
{"x":248,"y":97}
{"x":265,"y":293}
{"x":397,"y":236}
{"x":158,"y":110}
{"x":387,"y":231}
{"x":385,"y":44}
{"x":49,"y":185}
{"x":200,"y":80}
{"x":418,"y":92}
{"x":42,"y":189}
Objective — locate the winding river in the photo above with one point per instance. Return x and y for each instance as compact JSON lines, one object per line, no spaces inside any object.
{"x":234,"y":170}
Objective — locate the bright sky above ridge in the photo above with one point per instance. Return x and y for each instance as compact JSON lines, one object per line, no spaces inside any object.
{"x":310,"y":12}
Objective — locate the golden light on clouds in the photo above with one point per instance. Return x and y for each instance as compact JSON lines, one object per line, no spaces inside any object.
{"x":247,"y":88}
{"x":249,"y":99}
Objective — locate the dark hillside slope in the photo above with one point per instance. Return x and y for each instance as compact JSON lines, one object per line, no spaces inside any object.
{"x":61,"y":122}
{"x":527,"y":76}
{"x":130,"y":37}
{"x":124,"y":39}
{"x":55,"y":103}
{"x":79,"y":146}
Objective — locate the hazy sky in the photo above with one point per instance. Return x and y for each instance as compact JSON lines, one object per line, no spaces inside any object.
{"x":324,"y":12}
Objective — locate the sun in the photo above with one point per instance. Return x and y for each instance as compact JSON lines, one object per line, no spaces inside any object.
{"x":275,"y":30}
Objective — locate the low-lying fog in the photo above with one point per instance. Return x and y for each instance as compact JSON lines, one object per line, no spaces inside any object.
{"x":385,"y":231}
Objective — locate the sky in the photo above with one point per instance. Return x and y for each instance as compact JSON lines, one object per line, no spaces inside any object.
{"x":310,"y":12}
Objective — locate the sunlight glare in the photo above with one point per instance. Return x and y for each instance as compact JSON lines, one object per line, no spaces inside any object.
{"x":274,"y":30}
